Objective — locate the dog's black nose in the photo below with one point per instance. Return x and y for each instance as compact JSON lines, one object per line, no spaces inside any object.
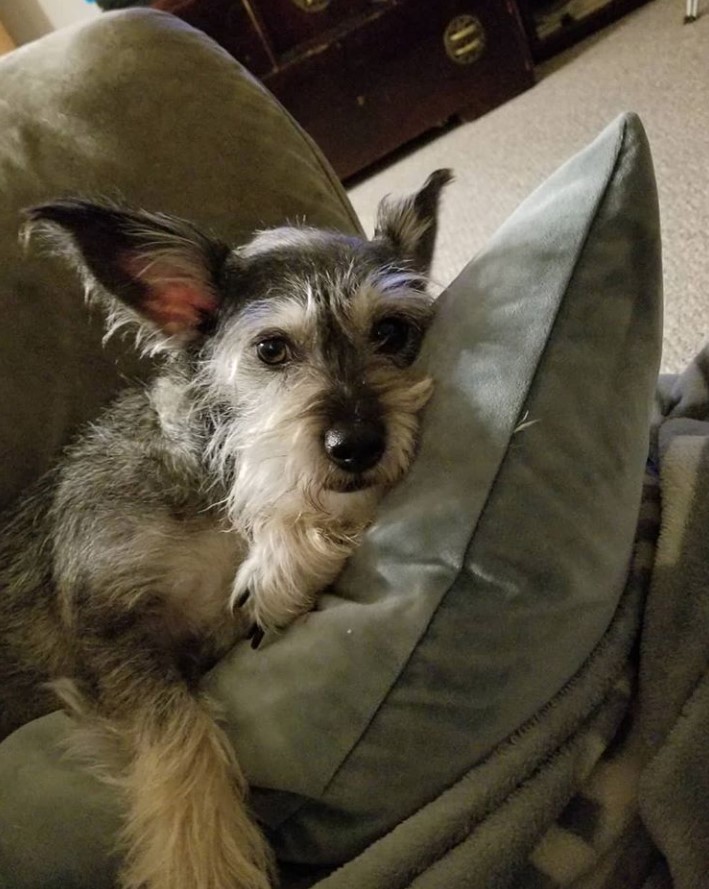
{"x":355,"y":445}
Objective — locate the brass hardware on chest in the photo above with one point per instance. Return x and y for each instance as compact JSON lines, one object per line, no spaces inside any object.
{"x":464,"y":39}
{"x":312,"y":5}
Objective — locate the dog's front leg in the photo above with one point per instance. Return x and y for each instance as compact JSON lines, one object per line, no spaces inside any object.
{"x":186,"y":822}
{"x":290,"y":561}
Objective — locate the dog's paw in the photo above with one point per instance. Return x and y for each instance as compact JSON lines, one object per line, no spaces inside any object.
{"x":265,"y":603}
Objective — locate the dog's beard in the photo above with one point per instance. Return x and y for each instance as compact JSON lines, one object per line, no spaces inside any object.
{"x":349,"y":484}
{"x":273,"y":459}
{"x":283,"y":470}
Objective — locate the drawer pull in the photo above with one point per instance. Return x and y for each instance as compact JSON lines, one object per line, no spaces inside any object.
{"x":464,"y":39}
{"x":312,"y":5}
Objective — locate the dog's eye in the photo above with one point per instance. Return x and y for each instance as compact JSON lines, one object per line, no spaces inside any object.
{"x":274,"y":350}
{"x":391,"y":335}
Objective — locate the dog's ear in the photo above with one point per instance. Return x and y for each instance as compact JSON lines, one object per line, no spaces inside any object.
{"x":160,"y":269}
{"x":410,"y":224}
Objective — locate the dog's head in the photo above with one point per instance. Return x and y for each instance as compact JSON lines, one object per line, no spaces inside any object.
{"x":299,"y":345}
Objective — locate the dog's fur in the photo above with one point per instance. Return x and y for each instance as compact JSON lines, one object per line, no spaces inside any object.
{"x":221,"y":498}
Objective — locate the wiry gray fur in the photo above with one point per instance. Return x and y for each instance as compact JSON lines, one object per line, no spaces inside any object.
{"x":222,"y":497}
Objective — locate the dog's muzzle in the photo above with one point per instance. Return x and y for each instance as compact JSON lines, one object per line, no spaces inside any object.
{"x":355,"y":445}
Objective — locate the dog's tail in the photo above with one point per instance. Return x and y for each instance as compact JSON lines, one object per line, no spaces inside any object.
{"x":187,"y":825}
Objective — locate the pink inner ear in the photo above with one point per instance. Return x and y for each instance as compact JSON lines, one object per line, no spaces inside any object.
{"x":178,"y":306}
{"x":176,"y":301}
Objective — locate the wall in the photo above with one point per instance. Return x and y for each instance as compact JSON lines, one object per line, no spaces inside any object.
{"x":26,"y":20}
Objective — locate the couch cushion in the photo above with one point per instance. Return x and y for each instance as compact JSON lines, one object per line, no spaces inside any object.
{"x":495,"y":568}
{"x":141,"y":108}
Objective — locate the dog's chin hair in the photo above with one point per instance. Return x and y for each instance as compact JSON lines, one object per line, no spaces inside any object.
{"x":250,"y":453}
{"x":273,"y":464}
{"x":349,"y":485}
{"x":273,"y":473}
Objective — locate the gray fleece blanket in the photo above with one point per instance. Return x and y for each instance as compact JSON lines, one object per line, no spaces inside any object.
{"x":608,"y":787}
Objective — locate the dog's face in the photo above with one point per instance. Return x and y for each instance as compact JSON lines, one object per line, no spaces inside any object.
{"x":316,"y":363}
{"x":300,"y":345}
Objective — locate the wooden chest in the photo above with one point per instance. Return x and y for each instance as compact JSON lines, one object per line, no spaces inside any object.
{"x":363,"y":77}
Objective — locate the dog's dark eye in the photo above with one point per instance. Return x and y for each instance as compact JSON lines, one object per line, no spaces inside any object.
{"x":274,"y":350}
{"x":391,"y":335}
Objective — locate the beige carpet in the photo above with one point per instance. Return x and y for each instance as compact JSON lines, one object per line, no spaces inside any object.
{"x":649,"y":62}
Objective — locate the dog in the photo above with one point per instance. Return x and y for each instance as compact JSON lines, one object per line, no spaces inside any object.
{"x":213,"y":504}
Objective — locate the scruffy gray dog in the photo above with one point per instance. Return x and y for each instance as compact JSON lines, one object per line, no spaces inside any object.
{"x":215,"y":503}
